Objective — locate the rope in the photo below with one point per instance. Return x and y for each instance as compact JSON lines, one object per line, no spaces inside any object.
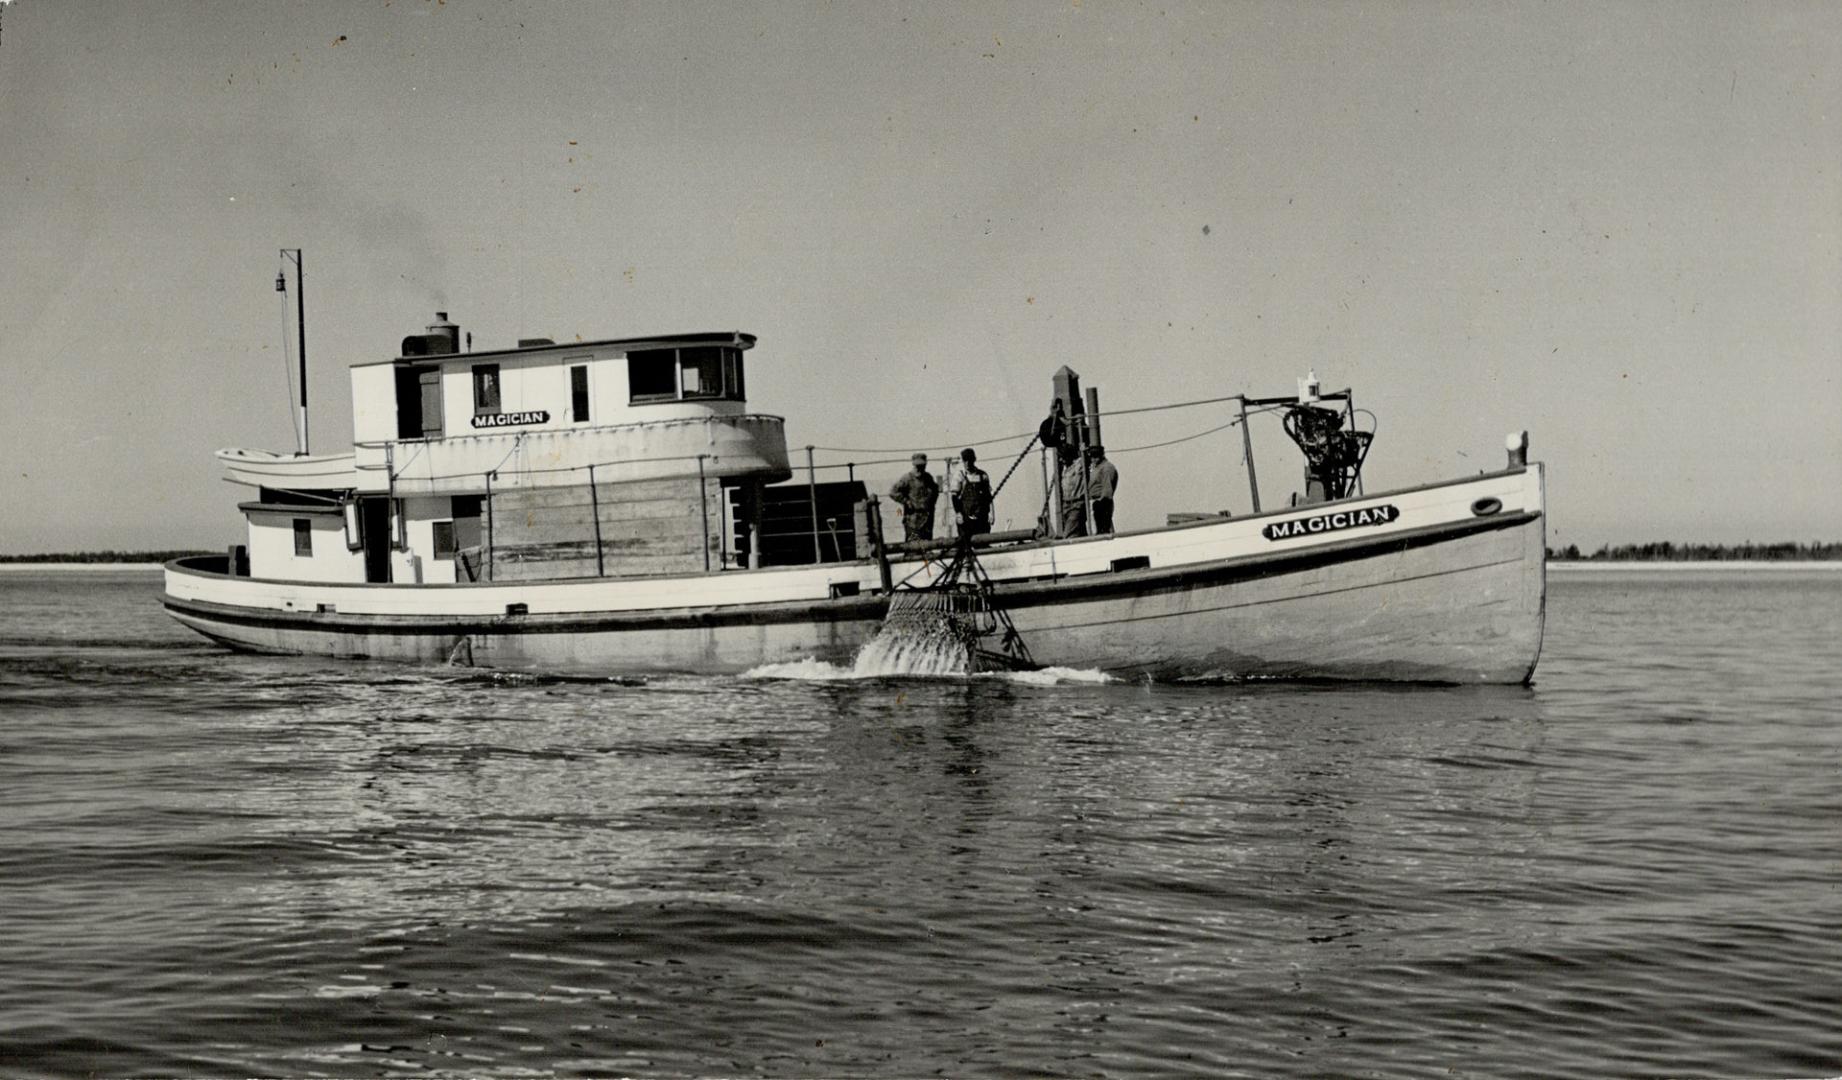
{"x":306,"y":495}
{"x":287,"y":373}
{"x":1020,"y":435}
{"x":1235,"y":422}
{"x":1007,"y":473}
{"x":917,"y":449}
{"x":518,"y":440}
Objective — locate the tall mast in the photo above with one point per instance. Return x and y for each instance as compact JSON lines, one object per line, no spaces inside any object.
{"x":300,"y":301}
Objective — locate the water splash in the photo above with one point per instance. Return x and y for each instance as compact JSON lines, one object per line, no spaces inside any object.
{"x":811,"y":670}
{"x":927,"y":634}
{"x":916,"y":648}
{"x":908,"y":651}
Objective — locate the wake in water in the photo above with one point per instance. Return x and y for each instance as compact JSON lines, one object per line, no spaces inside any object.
{"x":936,"y":633}
{"x":918,"y":650}
{"x":810,"y":670}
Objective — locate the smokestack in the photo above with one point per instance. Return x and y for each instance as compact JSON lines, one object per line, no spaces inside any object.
{"x":447,"y":332}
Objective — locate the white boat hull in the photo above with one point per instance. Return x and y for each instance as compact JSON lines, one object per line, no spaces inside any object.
{"x":1443,"y":583}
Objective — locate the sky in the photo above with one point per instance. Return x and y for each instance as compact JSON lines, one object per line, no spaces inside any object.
{"x":1614,"y":225}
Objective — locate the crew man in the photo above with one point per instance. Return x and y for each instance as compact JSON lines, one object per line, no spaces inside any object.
{"x":1102,"y":482}
{"x":971,"y":491}
{"x":915,"y":495}
{"x":1074,"y":493}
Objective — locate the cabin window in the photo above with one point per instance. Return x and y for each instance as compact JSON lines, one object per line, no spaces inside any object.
{"x":485,"y":389}
{"x":698,"y":373}
{"x":466,"y":510}
{"x":732,"y":375}
{"x":444,"y":539}
{"x":303,"y":537}
{"x":652,"y":374}
{"x":578,"y":393}
{"x":703,"y":372}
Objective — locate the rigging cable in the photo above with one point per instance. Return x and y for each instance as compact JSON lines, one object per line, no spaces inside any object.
{"x":287,"y":371}
{"x":518,"y":439}
{"x":1026,"y":434}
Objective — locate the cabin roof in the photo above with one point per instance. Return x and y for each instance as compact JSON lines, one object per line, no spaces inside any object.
{"x":733,"y":338}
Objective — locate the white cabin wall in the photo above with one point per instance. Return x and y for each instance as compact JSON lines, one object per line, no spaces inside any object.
{"x":420,"y":516}
{"x":539,"y":381}
{"x":374,"y":403}
{"x":271,"y":549}
{"x":525,"y":384}
{"x":542,"y":382}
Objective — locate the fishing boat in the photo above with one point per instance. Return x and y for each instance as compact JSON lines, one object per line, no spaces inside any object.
{"x":614,"y":507}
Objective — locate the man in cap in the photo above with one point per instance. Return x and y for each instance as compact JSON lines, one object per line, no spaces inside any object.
{"x":971,"y":490}
{"x":1102,"y":482}
{"x":915,"y":495}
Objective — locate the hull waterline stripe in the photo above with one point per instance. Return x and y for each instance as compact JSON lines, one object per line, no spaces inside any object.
{"x":1014,"y":596}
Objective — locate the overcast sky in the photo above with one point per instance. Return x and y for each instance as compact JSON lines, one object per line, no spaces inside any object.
{"x":1615,"y":225}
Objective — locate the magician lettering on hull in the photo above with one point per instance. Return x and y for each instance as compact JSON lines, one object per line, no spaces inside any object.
{"x":1323,"y":523}
{"x":511,"y":419}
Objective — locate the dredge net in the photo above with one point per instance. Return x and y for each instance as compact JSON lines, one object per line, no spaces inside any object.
{"x":928,"y":632}
{"x":937,"y":631}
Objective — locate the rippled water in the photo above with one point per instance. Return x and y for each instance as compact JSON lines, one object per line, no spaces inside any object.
{"x":212,"y":864}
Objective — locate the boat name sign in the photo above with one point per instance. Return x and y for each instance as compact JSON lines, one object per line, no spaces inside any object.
{"x":1323,"y":523}
{"x":511,"y":419}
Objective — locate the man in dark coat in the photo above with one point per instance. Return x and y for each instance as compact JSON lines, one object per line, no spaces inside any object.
{"x":1102,"y":482}
{"x":915,"y":495}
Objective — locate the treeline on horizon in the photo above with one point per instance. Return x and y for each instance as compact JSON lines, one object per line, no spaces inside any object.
{"x":1656,"y":551}
{"x":1664,"y":551}
{"x":102,"y":556}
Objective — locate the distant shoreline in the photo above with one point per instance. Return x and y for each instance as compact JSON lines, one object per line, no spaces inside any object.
{"x":78,"y":567}
{"x":1608,"y":565}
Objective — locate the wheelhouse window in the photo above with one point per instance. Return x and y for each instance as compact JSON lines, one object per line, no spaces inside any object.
{"x":303,"y":537}
{"x":696,"y":373}
{"x":485,"y":389}
{"x":578,"y":393}
{"x":652,"y":374}
{"x":702,"y":372}
{"x":444,"y":540}
{"x":732,"y":374}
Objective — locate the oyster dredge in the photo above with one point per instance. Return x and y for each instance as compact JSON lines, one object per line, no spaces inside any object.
{"x":613,"y":507}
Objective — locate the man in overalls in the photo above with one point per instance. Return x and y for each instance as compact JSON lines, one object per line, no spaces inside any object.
{"x":915,"y":494}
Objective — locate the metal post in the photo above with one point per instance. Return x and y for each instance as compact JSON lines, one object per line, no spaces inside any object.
{"x":1247,"y":447}
{"x":946,"y":483}
{"x":703,"y":504}
{"x":1090,"y":434}
{"x":594,"y":509}
{"x":873,"y":521}
{"x":1349,"y":417}
{"x":1052,"y":491}
{"x":396,"y":512}
{"x":753,"y":498}
{"x":1087,"y":496}
{"x":300,"y":307}
{"x":489,"y":526}
{"x":723,"y":547}
{"x":300,"y":301}
{"x":812,"y":503}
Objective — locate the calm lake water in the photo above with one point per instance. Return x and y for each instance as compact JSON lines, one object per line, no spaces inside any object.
{"x":213,"y":864}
